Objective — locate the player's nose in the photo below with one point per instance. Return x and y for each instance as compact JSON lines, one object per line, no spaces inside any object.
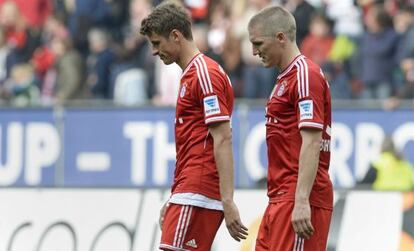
{"x":155,"y":52}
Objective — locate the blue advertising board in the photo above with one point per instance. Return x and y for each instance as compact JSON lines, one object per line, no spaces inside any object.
{"x":30,"y":147}
{"x":135,"y":147}
{"x":119,"y":147}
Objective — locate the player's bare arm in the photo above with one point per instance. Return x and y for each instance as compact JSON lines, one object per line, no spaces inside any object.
{"x":308,"y":166}
{"x":223,"y":154}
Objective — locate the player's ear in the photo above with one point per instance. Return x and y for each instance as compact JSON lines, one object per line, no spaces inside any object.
{"x":280,"y":37}
{"x":175,"y":35}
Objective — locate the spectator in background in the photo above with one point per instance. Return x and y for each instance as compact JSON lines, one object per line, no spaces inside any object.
{"x":4,"y":53}
{"x":377,"y":51}
{"x":14,"y":28}
{"x":404,"y":25}
{"x":302,"y":11}
{"x":219,"y":23}
{"x":198,"y":9}
{"x":132,"y":76}
{"x":257,"y":80}
{"x":42,"y":60}
{"x":54,"y":26}
{"x":44,"y":57}
{"x":134,"y":53}
{"x":35,"y":12}
{"x":318,"y":43}
{"x":13,"y":24}
{"x":21,"y":88}
{"x":338,"y":69}
{"x":82,"y":16}
{"x":69,"y":71}
{"x":200,"y":33}
{"x":390,"y":171}
{"x":99,"y":64}
{"x":341,"y":70}
{"x":346,"y":16}
{"x":232,"y":61}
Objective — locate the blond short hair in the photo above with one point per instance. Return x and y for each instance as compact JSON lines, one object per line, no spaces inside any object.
{"x":274,"y":19}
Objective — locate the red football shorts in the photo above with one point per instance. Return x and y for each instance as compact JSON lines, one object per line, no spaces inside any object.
{"x":276,"y":230}
{"x":188,"y":227}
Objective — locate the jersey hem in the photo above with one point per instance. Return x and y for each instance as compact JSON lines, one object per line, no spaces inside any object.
{"x":312,"y":203}
{"x":210,"y":196}
{"x":172,"y":247}
{"x":197,"y":200}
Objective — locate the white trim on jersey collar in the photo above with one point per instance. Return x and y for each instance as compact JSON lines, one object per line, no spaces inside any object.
{"x":191,"y":63}
{"x":290,"y":66}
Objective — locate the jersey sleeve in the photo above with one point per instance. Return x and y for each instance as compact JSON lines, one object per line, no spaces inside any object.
{"x":213,"y":93}
{"x":309,"y":97}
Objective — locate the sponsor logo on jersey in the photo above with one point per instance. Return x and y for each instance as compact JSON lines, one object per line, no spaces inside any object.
{"x":211,"y":105}
{"x":281,"y":89}
{"x":192,"y":243}
{"x":306,"y":109}
{"x":325,"y":145}
{"x":183,"y":89}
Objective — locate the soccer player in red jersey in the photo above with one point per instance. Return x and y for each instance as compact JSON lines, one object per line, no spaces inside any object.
{"x":202,"y":191}
{"x":298,"y":129}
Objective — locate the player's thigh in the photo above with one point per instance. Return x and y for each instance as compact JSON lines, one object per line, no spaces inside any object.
{"x":276,"y":232}
{"x":321,"y":220}
{"x":262,"y":239}
{"x":282,"y":236}
{"x":189,"y":228}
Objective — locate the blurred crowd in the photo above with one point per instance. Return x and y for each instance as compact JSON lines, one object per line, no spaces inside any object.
{"x":55,"y":51}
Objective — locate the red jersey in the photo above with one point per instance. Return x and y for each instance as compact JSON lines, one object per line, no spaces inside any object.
{"x":205,"y":97}
{"x":300,"y":99}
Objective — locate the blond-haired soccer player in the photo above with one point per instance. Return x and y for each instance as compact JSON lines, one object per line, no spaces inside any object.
{"x":298,"y":133}
{"x":202,"y":191}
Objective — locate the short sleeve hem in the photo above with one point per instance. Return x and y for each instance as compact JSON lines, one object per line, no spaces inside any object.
{"x":217,"y":119}
{"x":310,"y":125}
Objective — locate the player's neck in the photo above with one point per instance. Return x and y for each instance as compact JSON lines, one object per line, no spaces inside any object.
{"x":289,"y":56}
{"x":189,"y":51}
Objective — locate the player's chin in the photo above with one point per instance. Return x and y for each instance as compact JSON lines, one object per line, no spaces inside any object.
{"x":266,"y":64}
{"x":167,"y":61}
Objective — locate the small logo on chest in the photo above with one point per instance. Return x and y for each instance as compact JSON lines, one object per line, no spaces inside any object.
{"x":192,"y":243}
{"x":183,"y":90}
{"x":281,"y":89}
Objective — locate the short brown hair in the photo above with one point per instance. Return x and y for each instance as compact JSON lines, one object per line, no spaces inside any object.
{"x":166,"y":17}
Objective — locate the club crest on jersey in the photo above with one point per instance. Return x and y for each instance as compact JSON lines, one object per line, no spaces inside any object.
{"x":183,"y":89}
{"x":211,"y":105}
{"x":281,"y":89}
{"x":306,"y":109}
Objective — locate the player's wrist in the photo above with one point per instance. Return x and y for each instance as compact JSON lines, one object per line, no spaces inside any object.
{"x":227,"y":201}
{"x":301,"y":198}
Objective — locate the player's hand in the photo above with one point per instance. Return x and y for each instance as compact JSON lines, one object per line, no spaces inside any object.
{"x":301,"y":220}
{"x":162,"y":214}
{"x":233,"y":223}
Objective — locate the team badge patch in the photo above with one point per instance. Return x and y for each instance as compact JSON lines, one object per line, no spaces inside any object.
{"x":211,"y":105}
{"x":306,"y":109}
{"x":281,"y":89}
{"x":183,"y":89}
